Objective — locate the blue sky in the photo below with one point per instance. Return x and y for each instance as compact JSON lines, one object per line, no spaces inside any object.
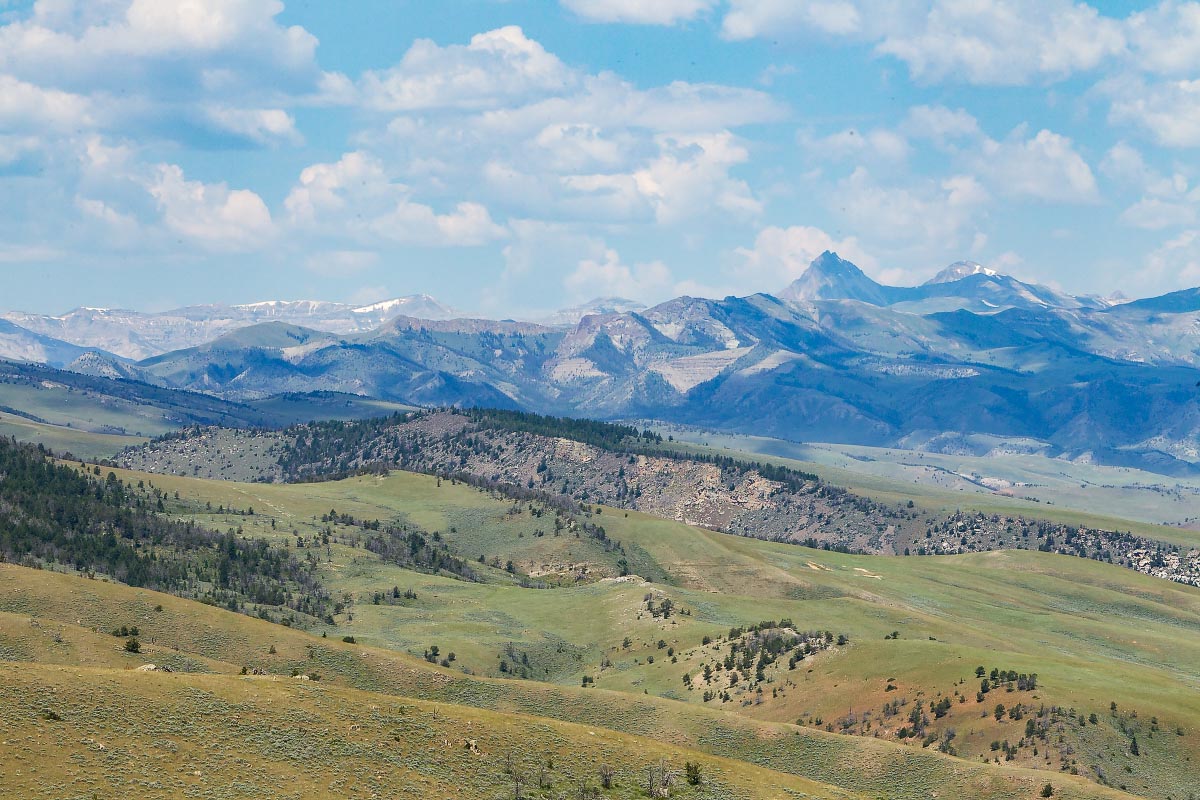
{"x":510,"y":157}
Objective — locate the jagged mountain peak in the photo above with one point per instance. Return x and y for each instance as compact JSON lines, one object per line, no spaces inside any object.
{"x":831,"y":277}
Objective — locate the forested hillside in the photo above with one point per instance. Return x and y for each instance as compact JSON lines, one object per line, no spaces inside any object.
{"x":98,"y":525}
{"x":592,"y":462}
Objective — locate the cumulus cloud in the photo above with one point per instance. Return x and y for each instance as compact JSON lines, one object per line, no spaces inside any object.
{"x":999,"y":42}
{"x":873,"y":145}
{"x":658,"y":12}
{"x":260,"y":125}
{"x":1166,"y":39}
{"x":163,"y":68}
{"x":609,"y":277}
{"x":354,"y":196}
{"x":932,"y":214}
{"x":1125,"y":163}
{"x":539,"y":139}
{"x":1169,"y":111}
{"x":989,"y":42}
{"x":210,"y":214}
{"x":940,"y":124}
{"x":89,"y":44}
{"x":25,"y":106}
{"x":1045,"y":166}
{"x":748,"y":19}
{"x":493,"y":70}
{"x":688,"y":178}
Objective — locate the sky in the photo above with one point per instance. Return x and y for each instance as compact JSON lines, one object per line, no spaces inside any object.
{"x":515,"y":156}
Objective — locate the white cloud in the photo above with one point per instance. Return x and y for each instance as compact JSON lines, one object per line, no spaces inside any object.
{"x":211,"y":215}
{"x":655,"y":12}
{"x":1169,"y":110}
{"x":780,"y":255}
{"x":611,"y":103}
{"x":689,"y":178}
{"x":987,"y":42}
{"x":261,"y":125}
{"x":748,"y":19}
{"x":940,"y":124}
{"x":1045,"y":166}
{"x":356,"y":198}
{"x":1175,"y":264}
{"x":1166,"y":200}
{"x":608,"y":277}
{"x":468,"y":225}
{"x":1005,"y":42}
{"x":163,"y":68}
{"x":538,"y":139}
{"x":322,"y":187}
{"x":929,"y":214}
{"x":1125,"y":163}
{"x":25,"y":106}
{"x":80,"y":42}
{"x":1166,"y":38}
{"x":495,"y":69}
{"x":579,"y":147}
{"x":880,"y":144}
{"x":122,"y":228}
{"x":1156,"y":213}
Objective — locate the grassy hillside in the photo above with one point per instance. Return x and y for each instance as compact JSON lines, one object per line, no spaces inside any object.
{"x":61,"y":439}
{"x":93,"y":732}
{"x":96,"y":417}
{"x":1094,"y":634}
{"x":377,"y":721}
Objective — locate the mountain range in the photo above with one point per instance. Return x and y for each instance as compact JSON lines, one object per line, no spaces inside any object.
{"x":835,"y":356}
{"x":136,"y":335}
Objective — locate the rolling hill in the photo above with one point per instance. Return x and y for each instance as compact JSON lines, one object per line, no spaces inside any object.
{"x":1094,"y":634}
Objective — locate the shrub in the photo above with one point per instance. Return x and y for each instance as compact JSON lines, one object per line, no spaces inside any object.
{"x":133,"y":646}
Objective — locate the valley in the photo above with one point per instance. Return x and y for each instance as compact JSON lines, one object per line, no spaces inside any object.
{"x":599,"y":400}
{"x":1094,"y":634}
{"x":376,"y":583}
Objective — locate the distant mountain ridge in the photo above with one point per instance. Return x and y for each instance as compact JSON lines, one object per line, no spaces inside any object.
{"x":835,"y":357}
{"x":137,"y":335}
{"x":964,"y":284}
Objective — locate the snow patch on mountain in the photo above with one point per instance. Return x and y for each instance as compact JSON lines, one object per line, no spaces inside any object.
{"x":959,"y":270}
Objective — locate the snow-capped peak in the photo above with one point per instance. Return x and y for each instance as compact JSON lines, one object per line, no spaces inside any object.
{"x":394,"y":303}
{"x":413,"y":305}
{"x":959,"y":270}
{"x":293,"y":305}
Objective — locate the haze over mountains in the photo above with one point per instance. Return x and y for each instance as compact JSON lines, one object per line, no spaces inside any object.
{"x":136,"y":335}
{"x":970,"y":361}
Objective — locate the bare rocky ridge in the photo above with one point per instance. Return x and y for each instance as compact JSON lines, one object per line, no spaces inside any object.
{"x":726,"y":497}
